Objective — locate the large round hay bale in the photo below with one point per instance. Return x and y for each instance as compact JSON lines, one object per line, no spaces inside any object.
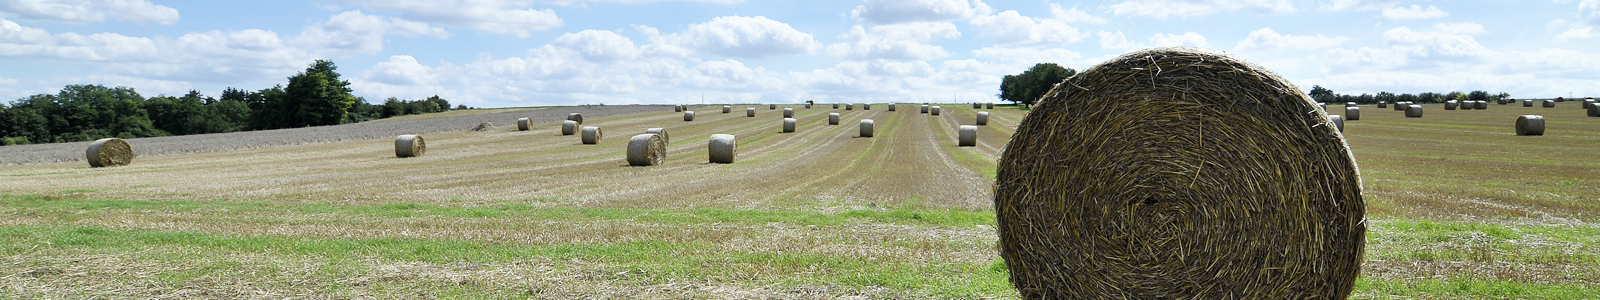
{"x":1383,"y":104}
{"x":1451,"y":105}
{"x":576,"y":117}
{"x":788,"y":124}
{"x":934,"y":110}
{"x":665,"y":139}
{"x":849,"y":106}
{"x":989,"y":105}
{"x":835,"y":106}
{"x":1338,"y":121}
{"x":1414,"y":111}
{"x":646,"y":150}
{"x":833,"y":118}
{"x":524,"y":124}
{"x":109,"y":152}
{"x":1401,"y":106}
{"x":983,"y":118}
{"x":569,"y":127}
{"x":409,"y":145}
{"x":723,"y":148}
{"x":727,"y":109}
{"x":591,"y":135}
{"x":1527,"y":103}
{"x":1587,"y":103}
{"x":1347,"y":104}
{"x":1480,"y":104}
{"x":677,"y":108}
{"x":967,"y":136}
{"x":891,"y":106}
{"x":1561,"y":99}
{"x":1594,"y":111}
{"x":788,"y":112}
{"x":808,"y":104}
{"x":1549,"y":103}
{"x":1530,"y":125}
{"x":688,"y":116}
{"x":1352,"y":113}
{"x":866,"y":128}
{"x":1143,"y":178}
{"x":976,"y":105}
{"x":772,"y":107}
{"x":866,"y":106}
{"x":924,"y":108}
{"x":750,"y":112}
{"x":1500,"y":101}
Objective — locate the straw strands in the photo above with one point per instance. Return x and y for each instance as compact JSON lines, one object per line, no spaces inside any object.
{"x":723,"y":147}
{"x":591,"y":135}
{"x":646,"y":150}
{"x":1530,"y":125}
{"x":1161,"y":174}
{"x":109,"y":152}
{"x":409,"y":145}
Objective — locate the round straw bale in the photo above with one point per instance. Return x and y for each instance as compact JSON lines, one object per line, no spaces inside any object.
{"x":1352,"y":113}
{"x":808,"y":104}
{"x":591,"y":135}
{"x":688,"y":116}
{"x":1349,"y":104}
{"x":924,"y":108}
{"x":749,"y":112}
{"x":569,"y":127}
{"x":1587,"y":103}
{"x":989,"y":105}
{"x":976,"y":105}
{"x":1338,"y":121}
{"x":967,"y":136}
{"x":1383,"y":104}
{"x":524,"y":124}
{"x":866,"y":106}
{"x":866,"y":127}
{"x":1549,"y":103}
{"x":1500,"y":101}
{"x":1401,"y":106}
{"x":849,"y":106}
{"x":835,"y":106}
{"x":1527,"y":103}
{"x":1141,"y":178}
{"x":1560,"y":99}
{"x":646,"y":150}
{"x":1594,"y":110}
{"x":723,"y":148}
{"x":1481,"y":104}
{"x":576,"y":117}
{"x":772,"y":107}
{"x":788,"y":124}
{"x":409,"y":145}
{"x":109,"y":152}
{"x":788,"y":112}
{"x":934,"y":110}
{"x":1414,"y":111}
{"x":1451,"y":105}
{"x":665,"y":139}
{"x":727,"y":109}
{"x":983,"y":118}
{"x":1530,"y":125}
{"x":677,"y":108}
{"x":891,"y":106}
{"x":833,"y":118}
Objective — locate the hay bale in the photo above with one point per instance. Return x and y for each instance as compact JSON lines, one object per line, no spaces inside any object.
{"x":967,"y":136}
{"x":688,"y":116}
{"x":1401,"y":106}
{"x":1352,"y":113}
{"x":591,"y":135}
{"x":1348,"y":104}
{"x":485,"y":126}
{"x":1338,"y":121}
{"x":934,"y":110}
{"x":1414,"y":111}
{"x":1109,"y":190}
{"x":788,"y":112}
{"x":577,"y":117}
{"x":808,"y":105}
{"x":1594,"y":111}
{"x":109,"y":152}
{"x":1451,"y":105}
{"x":1587,"y":103}
{"x":835,"y":106}
{"x":924,"y":108}
{"x":976,"y":105}
{"x":866,"y":106}
{"x":665,"y":139}
{"x":722,"y":148}
{"x":989,"y":105}
{"x":1527,"y":103}
{"x":983,"y":118}
{"x":524,"y":124}
{"x":569,"y":127}
{"x":1500,"y":101}
{"x":1481,"y":104}
{"x":772,"y":107}
{"x":677,"y":108}
{"x":891,"y":106}
{"x":866,"y":128}
{"x":750,"y":112}
{"x":833,"y":118}
{"x":409,"y":145}
{"x":1549,"y":103}
{"x":1530,"y":125}
{"x":849,"y":106}
{"x":1560,"y":99}
{"x":646,"y":150}
{"x":1383,"y":104}
{"x":788,"y":124}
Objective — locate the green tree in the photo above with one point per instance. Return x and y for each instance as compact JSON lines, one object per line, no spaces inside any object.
{"x":1026,"y":88}
{"x":314,"y":97}
{"x":1321,"y":94}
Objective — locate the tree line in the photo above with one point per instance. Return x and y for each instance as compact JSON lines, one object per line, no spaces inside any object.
{"x":314,"y":97}
{"x":1324,"y":95}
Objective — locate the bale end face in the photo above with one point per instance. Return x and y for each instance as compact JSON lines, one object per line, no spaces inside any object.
{"x":891,"y":106}
{"x":569,"y":127}
{"x":772,"y":107}
{"x":866,"y":106}
{"x":983,"y":118}
{"x":577,"y":117}
{"x":646,"y":150}
{"x":788,"y":124}
{"x":1530,"y":125}
{"x":722,"y":148}
{"x":1338,"y":121}
{"x":666,"y":139}
{"x":1352,"y":113}
{"x":409,"y":145}
{"x":924,"y":108}
{"x":727,"y":109}
{"x":866,"y":128}
{"x":109,"y":152}
{"x":591,"y":135}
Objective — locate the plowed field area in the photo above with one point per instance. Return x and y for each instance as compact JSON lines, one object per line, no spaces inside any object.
{"x":1459,"y":207}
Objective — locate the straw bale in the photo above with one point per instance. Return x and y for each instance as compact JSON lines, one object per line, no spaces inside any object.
{"x":1480,"y":104}
{"x":1414,"y":110}
{"x":1451,"y":105}
{"x":688,"y":116}
{"x":934,"y":110}
{"x":485,"y":126}
{"x":576,"y":117}
{"x":983,"y":118}
{"x":1527,"y":103}
{"x":1383,"y":104}
{"x":1549,"y":103}
{"x":1352,"y":113}
{"x":849,"y":106}
{"x":750,"y":112}
{"x":976,"y":105}
{"x":788,"y":124}
{"x":866,"y":128}
{"x":646,"y":150}
{"x":835,"y":106}
{"x":833,"y":118}
{"x":967,"y":136}
{"x":989,"y":105}
{"x":891,"y":106}
{"x":591,"y":135}
{"x":1401,"y":106}
{"x":1349,"y":104}
{"x":723,"y":148}
{"x":524,"y":124}
{"x":726,"y":109}
{"x":677,"y":108}
{"x":788,"y":112}
{"x":665,"y":139}
{"x":924,"y":108}
{"x":1587,"y":103}
{"x":569,"y":127}
{"x":1530,"y":125}
{"x":109,"y":152}
{"x":1338,"y":121}
{"x":1594,"y":111}
{"x":866,"y":106}
{"x":772,"y":107}
{"x":409,"y":145}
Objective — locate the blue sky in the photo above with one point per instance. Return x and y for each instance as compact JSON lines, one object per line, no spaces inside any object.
{"x":502,"y":53}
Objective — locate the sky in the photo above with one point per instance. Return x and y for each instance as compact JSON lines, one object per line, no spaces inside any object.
{"x":512,"y":53}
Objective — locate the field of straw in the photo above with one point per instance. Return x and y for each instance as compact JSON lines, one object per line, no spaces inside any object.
{"x":1459,"y":207}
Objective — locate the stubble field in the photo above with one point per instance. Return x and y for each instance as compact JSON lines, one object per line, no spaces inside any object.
{"x":1459,"y":207}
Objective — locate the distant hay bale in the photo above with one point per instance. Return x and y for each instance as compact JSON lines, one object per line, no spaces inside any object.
{"x":524,"y":124}
{"x":576,"y":117}
{"x":1480,"y":104}
{"x":727,"y":109}
{"x":989,"y":105}
{"x":723,"y":148}
{"x":1530,"y":125}
{"x":1352,"y":113}
{"x":1414,"y":111}
{"x":788,"y":112}
{"x":1587,"y":103}
{"x":808,"y":104}
{"x":891,"y":106}
{"x":849,"y":106}
{"x":677,"y":108}
{"x":409,"y":145}
{"x":591,"y":135}
{"x":109,"y":152}
{"x":924,"y":108}
{"x":485,"y":126}
{"x":835,"y":106}
{"x":983,"y":118}
{"x":1338,"y":121}
{"x":750,"y":112}
{"x":1451,"y":105}
{"x":1527,"y":103}
{"x":934,"y":110}
{"x":1109,"y":190}
{"x":646,"y":150}
{"x":866,"y":128}
{"x":1549,"y":103}
{"x":1349,"y":104}
{"x":688,"y":116}
{"x":833,"y":118}
{"x":976,"y":105}
{"x":1560,"y":99}
{"x":788,"y":124}
{"x":569,"y":127}
{"x":866,"y":106}
{"x":967,"y":136}
{"x":1500,"y":101}
{"x":1401,"y":106}
{"x":1594,"y":110}
{"x":1383,"y":104}
{"x":665,"y":139}
{"x":772,"y":107}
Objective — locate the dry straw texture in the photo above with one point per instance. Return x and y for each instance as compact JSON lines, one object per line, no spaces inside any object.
{"x":788,"y":124}
{"x":983,"y":118}
{"x":1352,"y":113}
{"x":1413,"y":110}
{"x":109,"y":152}
{"x":688,"y":115}
{"x":934,"y":110}
{"x":1530,"y":125}
{"x":409,"y":145}
{"x":967,"y":136}
{"x":1179,"y":173}
{"x":750,"y":112}
{"x":576,"y":117}
{"x":646,"y":150}
{"x":1338,"y":121}
{"x":833,"y":118}
{"x":591,"y":135}
{"x":524,"y":124}
{"x":866,"y":128}
{"x":722,"y":148}
{"x":788,"y":112}
{"x":569,"y":127}
{"x":665,"y":139}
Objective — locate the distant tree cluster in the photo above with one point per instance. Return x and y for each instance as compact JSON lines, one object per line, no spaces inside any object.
{"x":78,"y":113}
{"x":1026,"y":88}
{"x":1324,"y":95}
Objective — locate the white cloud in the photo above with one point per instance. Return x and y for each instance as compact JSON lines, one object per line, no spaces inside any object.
{"x":1073,"y":15}
{"x":1011,"y":28}
{"x":89,"y":11}
{"x":1468,"y":28}
{"x":1590,"y":9}
{"x":582,"y":2}
{"x":508,"y":17}
{"x":905,"y":41}
{"x":353,"y":32}
{"x":1358,"y":5}
{"x":1028,"y":56}
{"x":1186,"y":39}
{"x":738,"y":36}
{"x":1163,"y":9}
{"x":1578,"y":33}
{"x":401,"y":70}
{"x":599,"y":45}
{"x":899,"y":11}
{"x":1267,"y":38}
{"x":1116,"y":41}
{"x":27,"y":42}
{"x":1415,"y":12}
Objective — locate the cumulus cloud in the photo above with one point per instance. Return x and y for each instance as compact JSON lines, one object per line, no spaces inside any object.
{"x":1073,"y":15}
{"x":906,"y":41}
{"x":739,"y":36}
{"x":1578,"y":33}
{"x":1590,"y":10}
{"x":1116,"y":41}
{"x":599,"y":45}
{"x":1415,"y":12}
{"x":353,"y":32}
{"x":1266,"y":38}
{"x":1011,"y":28}
{"x":203,"y":56}
{"x":899,"y":11}
{"x":89,"y":11}
{"x":508,"y":17}
{"x":1164,"y":9}
{"x":1358,"y":5}
{"x":1186,"y":39}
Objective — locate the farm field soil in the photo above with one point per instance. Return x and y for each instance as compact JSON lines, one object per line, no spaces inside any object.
{"x":1459,"y":208}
